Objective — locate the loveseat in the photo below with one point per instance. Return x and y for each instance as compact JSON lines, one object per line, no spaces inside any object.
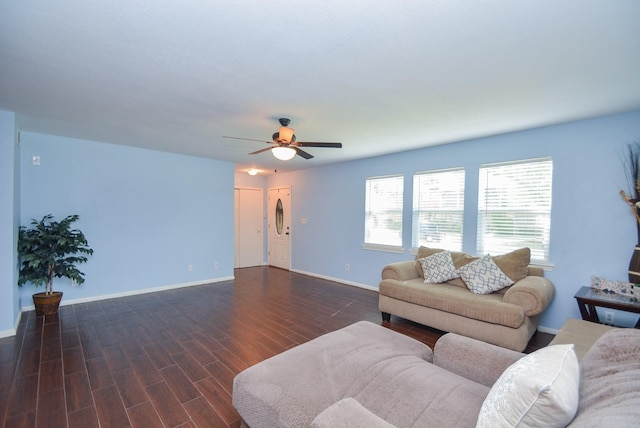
{"x":365,"y":375}
{"x":507,"y":317}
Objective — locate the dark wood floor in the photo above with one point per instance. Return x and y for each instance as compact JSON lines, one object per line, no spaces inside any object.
{"x":168,"y":359}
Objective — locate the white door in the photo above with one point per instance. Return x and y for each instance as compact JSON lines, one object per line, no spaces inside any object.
{"x":249,"y":215}
{"x":279,"y":225}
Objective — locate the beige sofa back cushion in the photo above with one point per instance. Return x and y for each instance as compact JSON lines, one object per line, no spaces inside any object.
{"x":609,"y":392}
{"x":514,"y":264}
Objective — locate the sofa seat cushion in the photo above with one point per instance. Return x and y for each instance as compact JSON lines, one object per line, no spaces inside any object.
{"x":408,"y":392}
{"x":453,"y":299}
{"x":583,"y":334}
{"x":610,"y":382}
{"x":292,"y":388}
{"x":349,"y":413}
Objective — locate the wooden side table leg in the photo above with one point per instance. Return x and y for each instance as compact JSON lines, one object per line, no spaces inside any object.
{"x":583,"y":311}
{"x":593,"y":314}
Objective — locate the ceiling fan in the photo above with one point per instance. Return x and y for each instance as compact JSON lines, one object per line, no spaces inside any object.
{"x":285,"y":145}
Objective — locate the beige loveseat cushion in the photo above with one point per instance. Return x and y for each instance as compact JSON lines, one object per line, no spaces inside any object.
{"x":450,"y":298}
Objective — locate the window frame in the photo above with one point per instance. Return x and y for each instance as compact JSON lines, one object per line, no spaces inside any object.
{"x":399,"y":203}
{"x":458,"y":199}
{"x":516,"y":210}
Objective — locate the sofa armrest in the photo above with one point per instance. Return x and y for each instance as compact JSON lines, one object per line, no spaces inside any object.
{"x":473,"y":359}
{"x":348,"y":412}
{"x":401,"y":271}
{"x":532,"y":293}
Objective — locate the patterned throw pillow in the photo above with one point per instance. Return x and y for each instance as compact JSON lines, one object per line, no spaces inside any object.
{"x":483,"y":276}
{"x":539,"y":390}
{"x":438,"y":268}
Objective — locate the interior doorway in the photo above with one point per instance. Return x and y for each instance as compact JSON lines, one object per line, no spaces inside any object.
{"x":248,"y":227}
{"x":279,"y":227}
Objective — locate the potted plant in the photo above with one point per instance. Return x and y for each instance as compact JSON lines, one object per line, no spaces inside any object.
{"x":51,"y":249}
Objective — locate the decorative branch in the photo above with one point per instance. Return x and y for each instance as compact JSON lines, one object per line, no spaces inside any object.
{"x":631,"y":164}
{"x":634,"y":204}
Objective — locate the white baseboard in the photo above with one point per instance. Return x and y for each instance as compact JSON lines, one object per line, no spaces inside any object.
{"x":549,"y":330}
{"x":12,"y":332}
{"x":7,"y":333}
{"x":135,"y":292}
{"x":341,"y":281}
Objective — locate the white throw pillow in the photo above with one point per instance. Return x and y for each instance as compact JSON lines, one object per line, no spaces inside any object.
{"x":483,"y":276}
{"x":438,"y":268}
{"x":539,"y":390}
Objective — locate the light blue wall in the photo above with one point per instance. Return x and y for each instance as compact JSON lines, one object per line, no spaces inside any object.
{"x":9,"y":201}
{"x":592,"y":230}
{"x":147,"y":214}
{"x":242,"y":179}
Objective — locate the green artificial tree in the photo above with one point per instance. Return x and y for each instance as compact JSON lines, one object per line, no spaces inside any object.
{"x":51,"y":249}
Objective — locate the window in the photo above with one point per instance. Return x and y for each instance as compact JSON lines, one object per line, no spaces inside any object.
{"x":514,"y":208}
{"x":383,"y":212}
{"x":438,"y":209}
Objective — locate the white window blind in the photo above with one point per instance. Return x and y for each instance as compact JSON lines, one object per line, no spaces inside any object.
{"x":438,"y":209}
{"x":383,"y":211}
{"x":514,"y":208}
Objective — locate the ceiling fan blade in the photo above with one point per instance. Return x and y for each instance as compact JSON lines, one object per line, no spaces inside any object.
{"x":312,"y":144}
{"x":302,"y":153}
{"x":260,"y":151}
{"x":247,"y":139}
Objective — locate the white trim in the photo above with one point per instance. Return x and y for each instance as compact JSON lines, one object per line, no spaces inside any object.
{"x":549,"y":330}
{"x":247,"y":188}
{"x":12,"y":332}
{"x":339,"y":280}
{"x":375,"y":177}
{"x":544,"y":266}
{"x":7,"y":333}
{"x":435,"y":171}
{"x":136,"y":292}
{"x":382,"y":247}
{"x":516,"y":162}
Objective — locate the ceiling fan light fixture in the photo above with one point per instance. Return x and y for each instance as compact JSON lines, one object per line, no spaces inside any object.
{"x":285,"y":134}
{"x":283,"y":153}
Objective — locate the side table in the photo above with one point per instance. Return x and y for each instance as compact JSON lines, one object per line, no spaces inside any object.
{"x":588,"y":298}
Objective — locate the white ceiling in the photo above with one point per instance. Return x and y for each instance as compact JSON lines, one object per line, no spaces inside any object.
{"x":379,"y":76}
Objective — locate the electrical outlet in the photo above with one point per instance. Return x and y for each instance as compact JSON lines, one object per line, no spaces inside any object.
{"x":609,"y":317}
{"x":189,"y":268}
{"x":346,"y":266}
{"x":215,"y":265}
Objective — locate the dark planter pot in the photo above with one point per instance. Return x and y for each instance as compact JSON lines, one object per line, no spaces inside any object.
{"x":634,"y":266}
{"x":47,"y":304}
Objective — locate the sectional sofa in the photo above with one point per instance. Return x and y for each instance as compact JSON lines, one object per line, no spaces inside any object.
{"x":365,"y":375}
